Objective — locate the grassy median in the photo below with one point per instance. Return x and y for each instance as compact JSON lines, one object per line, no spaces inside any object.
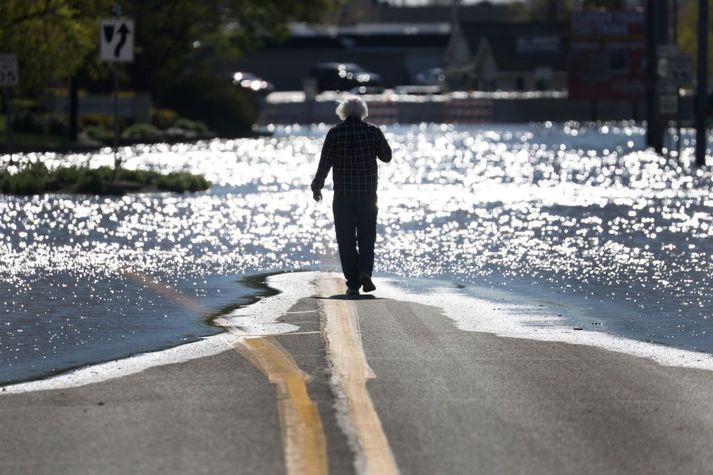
{"x":37,"y":178}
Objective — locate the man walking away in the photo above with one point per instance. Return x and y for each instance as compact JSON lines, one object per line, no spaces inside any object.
{"x":351,"y":149}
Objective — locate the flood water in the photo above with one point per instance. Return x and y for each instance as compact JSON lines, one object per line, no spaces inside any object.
{"x":578,"y":214}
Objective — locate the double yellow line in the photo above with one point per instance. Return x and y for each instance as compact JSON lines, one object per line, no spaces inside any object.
{"x":350,"y":371}
{"x":303,"y":438}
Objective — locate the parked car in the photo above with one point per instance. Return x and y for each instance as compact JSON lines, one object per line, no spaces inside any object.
{"x":251,"y":83}
{"x":342,"y":77}
{"x":430,"y":77}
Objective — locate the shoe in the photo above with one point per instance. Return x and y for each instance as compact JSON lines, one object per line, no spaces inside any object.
{"x":352,"y":292}
{"x":366,"y":283}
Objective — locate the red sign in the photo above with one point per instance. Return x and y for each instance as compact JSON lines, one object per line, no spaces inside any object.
{"x":607,"y":55}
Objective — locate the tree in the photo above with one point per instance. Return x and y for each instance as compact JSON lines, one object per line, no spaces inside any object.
{"x":56,"y":38}
{"x":52,"y":38}
{"x":173,"y":36}
{"x":182,"y":44}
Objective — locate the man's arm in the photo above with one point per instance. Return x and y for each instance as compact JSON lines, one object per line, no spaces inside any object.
{"x":383,"y":150}
{"x":325,"y":164}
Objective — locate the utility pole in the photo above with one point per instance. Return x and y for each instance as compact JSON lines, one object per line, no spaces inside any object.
{"x":702,"y":83}
{"x":652,"y":126}
{"x":117,"y":159}
{"x":656,"y":34}
{"x":674,"y":21}
{"x":73,"y":108}
{"x":8,"y":117}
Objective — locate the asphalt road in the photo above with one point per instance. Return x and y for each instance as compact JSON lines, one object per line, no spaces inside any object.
{"x":379,"y":385}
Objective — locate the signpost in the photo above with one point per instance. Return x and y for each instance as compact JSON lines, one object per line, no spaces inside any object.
{"x":9,"y":77}
{"x":116,"y":40}
{"x":702,"y":83}
{"x":674,"y":70}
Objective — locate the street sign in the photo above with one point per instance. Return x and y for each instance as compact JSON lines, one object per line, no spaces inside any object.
{"x":668,"y":104}
{"x":606,"y":54}
{"x":9,"y":76}
{"x":117,"y":40}
{"x":674,"y":65}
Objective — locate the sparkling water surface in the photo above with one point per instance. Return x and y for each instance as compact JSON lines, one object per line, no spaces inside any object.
{"x":576,"y":214}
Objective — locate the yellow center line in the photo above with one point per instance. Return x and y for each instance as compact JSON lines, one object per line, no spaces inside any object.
{"x":302,"y":432}
{"x":350,"y":372}
{"x":303,"y":438}
{"x":304,"y":442}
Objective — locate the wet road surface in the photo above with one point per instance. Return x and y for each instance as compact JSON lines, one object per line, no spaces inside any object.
{"x":378,"y":386}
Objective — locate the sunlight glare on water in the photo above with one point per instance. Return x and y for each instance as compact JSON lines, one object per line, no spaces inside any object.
{"x":571,"y":210}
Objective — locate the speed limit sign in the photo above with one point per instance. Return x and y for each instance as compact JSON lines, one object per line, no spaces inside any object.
{"x":8,"y":70}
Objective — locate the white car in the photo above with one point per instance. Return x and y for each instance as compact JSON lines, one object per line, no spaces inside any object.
{"x":251,"y":83}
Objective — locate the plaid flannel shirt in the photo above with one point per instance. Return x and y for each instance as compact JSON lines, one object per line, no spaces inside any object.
{"x":351,"y":149}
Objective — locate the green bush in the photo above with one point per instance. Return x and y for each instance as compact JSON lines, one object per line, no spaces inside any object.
{"x":36,"y":179}
{"x":97,"y":119}
{"x":212,"y":100}
{"x":104,"y":173}
{"x":26,"y":104}
{"x":191,"y":125}
{"x":57,"y":123}
{"x":89,"y":182}
{"x":181,"y":181}
{"x":163,"y":118}
{"x":28,"y":181}
{"x":24,"y":184}
{"x":66,"y":174}
{"x":97,"y":132}
{"x":141,"y":131}
{"x":28,"y":122}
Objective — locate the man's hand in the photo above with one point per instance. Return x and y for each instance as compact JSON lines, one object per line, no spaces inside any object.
{"x":317,"y":195}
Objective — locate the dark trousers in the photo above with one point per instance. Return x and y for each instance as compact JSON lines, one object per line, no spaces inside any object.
{"x":355,"y":223}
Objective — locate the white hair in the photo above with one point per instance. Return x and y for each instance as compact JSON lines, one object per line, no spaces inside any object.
{"x":352,"y":107}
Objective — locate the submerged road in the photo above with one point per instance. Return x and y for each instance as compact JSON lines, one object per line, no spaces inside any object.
{"x":373,"y":386}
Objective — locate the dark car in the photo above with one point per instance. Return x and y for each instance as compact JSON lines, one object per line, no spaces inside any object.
{"x":251,"y":83}
{"x":342,"y":77}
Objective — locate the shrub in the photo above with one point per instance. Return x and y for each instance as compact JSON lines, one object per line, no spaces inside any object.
{"x":57,"y":123}
{"x":26,"y":104}
{"x":191,"y":125}
{"x":28,"y":181}
{"x":105,"y":173}
{"x":24,"y":184}
{"x":163,"y":118}
{"x":66,"y":174}
{"x":212,"y":100}
{"x":89,"y":183}
{"x":97,"y":132}
{"x":28,"y":122}
{"x":97,"y":119}
{"x":181,"y":181}
{"x":31,"y":122}
{"x":36,"y":179}
{"x":141,"y":131}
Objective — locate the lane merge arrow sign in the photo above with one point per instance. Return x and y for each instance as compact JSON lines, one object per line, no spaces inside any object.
{"x":116,"y":39}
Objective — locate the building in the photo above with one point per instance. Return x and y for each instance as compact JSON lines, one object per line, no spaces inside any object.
{"x":507,"y":56}
{"x":397,"y":52}
{"x":350,"y":12}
